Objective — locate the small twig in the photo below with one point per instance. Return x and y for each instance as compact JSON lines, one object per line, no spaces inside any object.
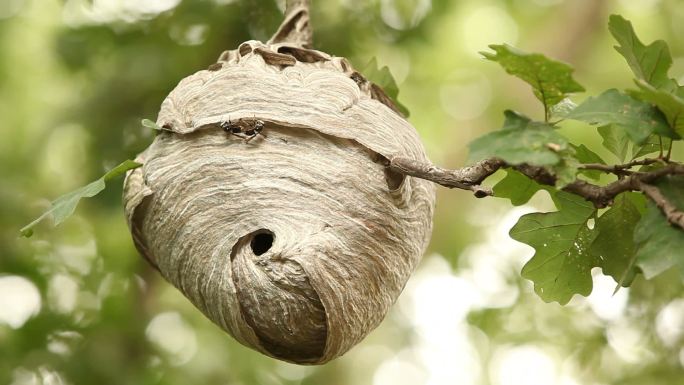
{"x":295,"y":28}
{"x":660,"y":141}
{"x":671,"y":212}
{"x":619,"y":169}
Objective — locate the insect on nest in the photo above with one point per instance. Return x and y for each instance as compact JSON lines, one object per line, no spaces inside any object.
{"x":244,"y":129}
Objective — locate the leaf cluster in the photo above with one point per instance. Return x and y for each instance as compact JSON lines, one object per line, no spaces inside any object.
{"x":633,"y":236}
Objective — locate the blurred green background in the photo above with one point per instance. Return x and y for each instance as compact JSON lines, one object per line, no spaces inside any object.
{"x":79,"y":306}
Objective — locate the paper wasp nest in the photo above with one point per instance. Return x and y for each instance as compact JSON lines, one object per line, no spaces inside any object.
{"x":297,"y":240}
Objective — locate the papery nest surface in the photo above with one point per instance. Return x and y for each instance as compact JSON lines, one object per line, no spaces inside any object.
{"x":296,"y":240}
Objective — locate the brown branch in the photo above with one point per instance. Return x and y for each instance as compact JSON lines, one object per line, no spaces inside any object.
{"x":471,"y":177}
{"x":295,"y":28}
{"x":619,"y":169}
{"x":671,"y":212}
{"x":603,"y":196}
{"x":467,"y":178}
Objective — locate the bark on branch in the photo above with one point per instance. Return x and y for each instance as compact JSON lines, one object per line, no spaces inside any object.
{"x":467,"y":178}
{"x":619,"y":169}
{"x":673,"y":215}
{"x":603,"y":196}
{"x":471,"y":178}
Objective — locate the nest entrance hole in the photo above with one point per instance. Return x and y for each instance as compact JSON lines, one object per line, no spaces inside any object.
{"x":261,"y":242}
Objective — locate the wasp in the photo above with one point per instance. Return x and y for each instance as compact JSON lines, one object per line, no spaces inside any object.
{"x":246,"y":131}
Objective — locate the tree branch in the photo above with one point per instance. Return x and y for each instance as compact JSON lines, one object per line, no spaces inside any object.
{"x":673,"y":215}
{"x":467,"y":178}
{"x":602,"y":196}
{"x":619,"y":169}
{"x":471,"y":177}
{"x":295,"y":27}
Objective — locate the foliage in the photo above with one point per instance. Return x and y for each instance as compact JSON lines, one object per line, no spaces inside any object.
{"x":659,"y":244}
{"x":621,"y":240}
{"x":668,"y":102}
{"x":516,"y":187}
{"x":62,"y":207}
{"x":551,"y":80}
{"x":383,"y":78}
{"x":561,"y":266}
{"x":521,"y":140}
{"x":614,"y":243}
{"x":150,"y":124}
{"x":638,"y":119}
{"x":649,"y":63}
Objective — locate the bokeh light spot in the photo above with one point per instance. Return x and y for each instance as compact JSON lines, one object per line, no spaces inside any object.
{"x":466,"y":94}
{"x":194,"y":34}
{"x":173,"y":335}
{"x":603,"y":302}
{"x":19,"y":300}
{"x":670,"y":322}
{"x":525,"y":364}
{"x":487,"y":25}
{"x":10,"y":8}
{"x":62,"y":293}
{"x":403,"y":14}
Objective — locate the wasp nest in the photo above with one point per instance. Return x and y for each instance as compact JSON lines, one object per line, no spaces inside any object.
{"x":294,"y":238}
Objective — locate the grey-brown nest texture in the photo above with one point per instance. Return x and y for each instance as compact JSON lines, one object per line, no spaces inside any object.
{"x":297,"y":241}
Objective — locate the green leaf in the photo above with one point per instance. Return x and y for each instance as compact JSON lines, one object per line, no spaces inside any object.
{"x":517,"y":187}
{"x":585,"y":155}
{"x":383,"y":78}
{"x":614,"y":244}
{"x":649,"y":63}
{"x":653,"y":144}
{"x":150,"y":124}
{"x":551,"y":80}
{"x":566,"y":170}
{"x":62,"y":207}
{"x":669,"y":104}
{"x":520,"y":141}
{"x":660,"y":245}
{"x":615,"y":140}
{"x":561,"y":265}
{"x":637,"y":118}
